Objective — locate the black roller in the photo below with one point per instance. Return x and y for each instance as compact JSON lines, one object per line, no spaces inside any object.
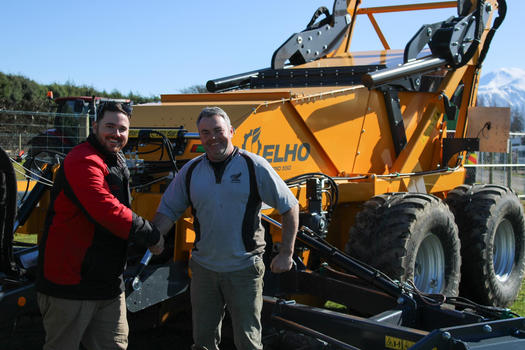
{"x":232,"y":81}
{"x":420,"y":66}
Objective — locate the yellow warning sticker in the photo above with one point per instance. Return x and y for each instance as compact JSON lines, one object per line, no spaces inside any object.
{"x":397,"y":343}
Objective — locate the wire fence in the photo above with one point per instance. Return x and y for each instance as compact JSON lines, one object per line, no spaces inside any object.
{"x":32,"y":132}
{"x":506,"y":169}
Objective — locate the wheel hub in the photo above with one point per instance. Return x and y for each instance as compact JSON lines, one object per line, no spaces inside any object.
{"x":504,"y":250}
{"x":429,"y":272}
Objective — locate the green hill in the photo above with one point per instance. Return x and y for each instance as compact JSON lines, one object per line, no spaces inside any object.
{"x":20,"y":93}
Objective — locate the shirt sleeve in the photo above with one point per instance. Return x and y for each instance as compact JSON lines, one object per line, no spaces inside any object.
{"x":174,"y":201}
{"x":86,"y":178}
{"x":272,"y":189}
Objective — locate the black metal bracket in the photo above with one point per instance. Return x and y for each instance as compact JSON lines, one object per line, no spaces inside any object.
{"x":316,"y":40}
{"x":422,"y":37}
{"x":450,"y":108}
{"x":395,"y":118}
{"x":458,"y":38}
{"x":452,"y":146}
{"x":7,"y":212}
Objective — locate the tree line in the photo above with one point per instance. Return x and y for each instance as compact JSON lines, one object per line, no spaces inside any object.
{"x":20,"y":93}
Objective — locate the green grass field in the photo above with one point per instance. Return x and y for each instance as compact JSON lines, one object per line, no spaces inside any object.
{"x":519,"y":305}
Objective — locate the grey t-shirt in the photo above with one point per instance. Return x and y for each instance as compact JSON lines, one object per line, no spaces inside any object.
{"x":220,"y":206}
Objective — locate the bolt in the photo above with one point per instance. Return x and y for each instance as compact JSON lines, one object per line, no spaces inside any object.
{"x":488,"y":7}
{"x":429,"y":31}
{"x":455,"y":43}
{"x":445,"y":335}
{"x":317,"y":53}
{"x":487,"y":328}
{"x":310,"y":38}
{"x":400,"y":300}
{"x":308,"y":51}
{"x":362,"y":130}
{"x":325,"y":47}
{"x":319,"y":32}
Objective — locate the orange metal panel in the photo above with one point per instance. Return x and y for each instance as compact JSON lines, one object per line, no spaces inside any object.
{"x":336,"y":121}
{"x":290,"y":148}
{"x":375,"y":152}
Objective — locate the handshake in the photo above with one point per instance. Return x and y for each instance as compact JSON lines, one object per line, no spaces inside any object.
{"x":147,"y":234}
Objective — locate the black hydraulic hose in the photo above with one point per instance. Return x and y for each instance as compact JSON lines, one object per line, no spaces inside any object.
{"x":334,"y":196}
{"x":502,"y":11}
{"x":333,"y":254}
{"x":165,"y":142}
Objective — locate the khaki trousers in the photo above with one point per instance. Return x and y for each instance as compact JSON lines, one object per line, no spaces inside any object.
{"x":239,"y":291}
{"x":96,"y":324}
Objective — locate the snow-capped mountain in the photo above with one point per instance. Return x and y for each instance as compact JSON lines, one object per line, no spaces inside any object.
{"x":504,"y":87}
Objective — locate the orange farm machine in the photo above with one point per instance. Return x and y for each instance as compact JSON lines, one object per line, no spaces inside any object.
{"x":394,"y":251}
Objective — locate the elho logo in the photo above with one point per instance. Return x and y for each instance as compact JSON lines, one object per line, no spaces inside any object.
{"x":275,"y":153}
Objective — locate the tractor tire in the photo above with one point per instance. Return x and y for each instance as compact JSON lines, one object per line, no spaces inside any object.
{"x":492,"y":232}
{"x":410,"y":237}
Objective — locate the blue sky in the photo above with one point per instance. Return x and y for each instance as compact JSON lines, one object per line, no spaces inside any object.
{"x":161,"y":46}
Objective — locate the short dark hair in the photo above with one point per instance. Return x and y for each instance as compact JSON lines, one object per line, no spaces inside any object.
{"x":111,"y":106}
{"x":209,"y":112}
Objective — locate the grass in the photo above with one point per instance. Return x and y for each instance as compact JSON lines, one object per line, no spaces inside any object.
{"x":519,"y":306}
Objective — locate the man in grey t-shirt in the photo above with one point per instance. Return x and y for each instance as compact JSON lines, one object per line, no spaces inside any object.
{"x":225,"y":188}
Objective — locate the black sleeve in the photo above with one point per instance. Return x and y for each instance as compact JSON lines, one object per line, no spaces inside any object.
{"x":143,"y":232}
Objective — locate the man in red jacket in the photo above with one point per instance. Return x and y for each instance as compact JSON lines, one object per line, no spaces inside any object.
{"x":83,"y":250}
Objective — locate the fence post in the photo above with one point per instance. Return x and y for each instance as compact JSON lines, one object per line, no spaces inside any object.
{"x":86,"y":127}
{"x":509,"y":161}
{"x":491,"y":172}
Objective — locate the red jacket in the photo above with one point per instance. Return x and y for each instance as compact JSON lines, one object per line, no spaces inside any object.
{"x":83,"y":250}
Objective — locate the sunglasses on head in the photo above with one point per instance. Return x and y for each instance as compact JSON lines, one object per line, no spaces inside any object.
{"x":112,"y":106}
